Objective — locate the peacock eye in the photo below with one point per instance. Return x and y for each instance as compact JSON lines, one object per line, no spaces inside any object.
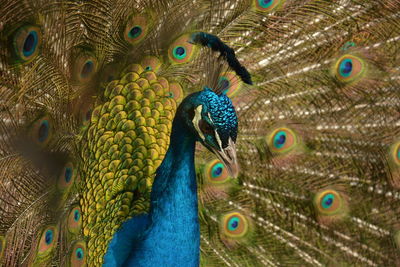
{"x":66,"y":177}
{"x":47,"y":240}
{"x":282,"y":140}
{"x":216,"y":172}
{"x":205,"y":127}
{"x":328,"y":202}
{"x":349,"y":68}
{"x":136,"y":29}
{"x":181,"y":51}
{"x":78,"y":255}
{"x":85,"y":66}
{"x":27,"y":41}
{"x":74,"y":220}
{"x":234,"y":225}
{"x":41,"y":130}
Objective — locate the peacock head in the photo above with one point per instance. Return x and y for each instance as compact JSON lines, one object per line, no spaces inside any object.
{"x":211,"y":117}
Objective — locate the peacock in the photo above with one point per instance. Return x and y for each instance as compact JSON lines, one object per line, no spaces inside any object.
{"x":200,"y":133}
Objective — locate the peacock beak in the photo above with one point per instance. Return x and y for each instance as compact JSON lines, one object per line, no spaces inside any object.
{"x":228,"y":156}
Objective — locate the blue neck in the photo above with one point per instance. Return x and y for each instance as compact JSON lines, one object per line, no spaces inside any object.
{"x":173,"y":235}
{"x":177,"y":167}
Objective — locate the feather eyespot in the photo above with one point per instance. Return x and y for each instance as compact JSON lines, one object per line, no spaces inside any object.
{"x":67,"y":176}
{"x":216,"y":172}
{"x":267,"y":5}
{"x":229,"y":83}
{"x":85,"y":67}
{"x":349,"y":68}
{"x":26,"y":42}
{"x":78,"y":254}
{"x":74,"y":220}
{"x":234,"y":225}
{"x":282,"y":140}
{"x":328,"y":202}
{"x":181,"y":51}
{"x":41,"y":131}
{"x":47,"y":240}
{"x":136,"y":29}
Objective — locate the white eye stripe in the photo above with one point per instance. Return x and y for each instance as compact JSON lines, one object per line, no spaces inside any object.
{"x":196,"y":120}
{"x":209,"y":116}
{"x":218,"y":139}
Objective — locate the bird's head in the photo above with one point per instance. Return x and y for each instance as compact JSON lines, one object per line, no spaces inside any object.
{"x":212,"y":118}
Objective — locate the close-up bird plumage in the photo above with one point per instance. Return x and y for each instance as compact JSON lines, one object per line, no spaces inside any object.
{"x":199,"y":133}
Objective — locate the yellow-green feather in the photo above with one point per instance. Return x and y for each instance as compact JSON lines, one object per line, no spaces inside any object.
{"x":126,"y":141}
